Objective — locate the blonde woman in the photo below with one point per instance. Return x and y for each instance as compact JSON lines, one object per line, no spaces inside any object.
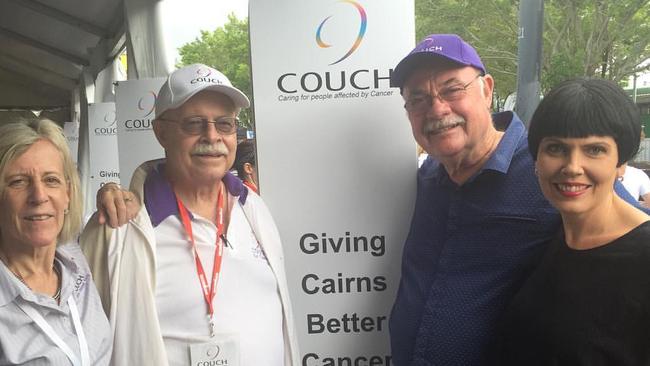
{"x":50,"y":312}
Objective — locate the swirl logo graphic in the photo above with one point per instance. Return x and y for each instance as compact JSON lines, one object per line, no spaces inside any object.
{"x":362,"y":31}
{"x":110,"y":118}
{"x":147,"y":103}
{"x":203,"y":73}
{"x":212,"y":352}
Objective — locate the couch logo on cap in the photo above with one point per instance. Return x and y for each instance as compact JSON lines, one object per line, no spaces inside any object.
{"x":204,"y":73}
{"x":432,"y":49}
{"x":362,"y":31}
{"x":204,"y":76}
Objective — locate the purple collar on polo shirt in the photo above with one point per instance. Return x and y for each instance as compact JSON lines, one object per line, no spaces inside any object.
{"x":160,"y":201}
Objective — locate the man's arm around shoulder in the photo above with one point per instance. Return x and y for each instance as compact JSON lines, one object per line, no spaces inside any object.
{"x":95,"y":242}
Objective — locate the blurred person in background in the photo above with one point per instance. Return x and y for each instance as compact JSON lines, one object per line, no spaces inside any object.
{"x":637,"y":183}
{"x":245,"y":164}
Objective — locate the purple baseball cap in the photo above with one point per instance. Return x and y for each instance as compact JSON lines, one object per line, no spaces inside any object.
{"x":435,"y":47}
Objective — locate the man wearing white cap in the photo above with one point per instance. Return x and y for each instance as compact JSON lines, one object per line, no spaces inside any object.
{"x":197,"y":278}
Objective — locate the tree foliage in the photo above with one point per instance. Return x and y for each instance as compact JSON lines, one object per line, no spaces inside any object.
{"x":595,"y":38}
{"x":607,"y":39}
{"x":488,"y":25}
{"x":226,"y":49}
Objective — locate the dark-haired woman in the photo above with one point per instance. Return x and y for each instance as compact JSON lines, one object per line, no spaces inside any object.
{"x":588,"y":301}
{"x":245,"y":164}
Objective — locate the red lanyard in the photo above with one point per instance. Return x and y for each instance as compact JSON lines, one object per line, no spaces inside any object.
{"x":208,"y":291}
{"x":251,"y":185}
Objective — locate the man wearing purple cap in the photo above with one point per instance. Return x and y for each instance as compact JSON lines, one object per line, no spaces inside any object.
{"x":197,"y":277}
{"x":480,"y":218}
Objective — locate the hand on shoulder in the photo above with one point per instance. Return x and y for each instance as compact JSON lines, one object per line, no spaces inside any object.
{"x":116,"y":206}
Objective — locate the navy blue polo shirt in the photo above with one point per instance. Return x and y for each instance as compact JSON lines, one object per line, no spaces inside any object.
{"x":468,"y":251}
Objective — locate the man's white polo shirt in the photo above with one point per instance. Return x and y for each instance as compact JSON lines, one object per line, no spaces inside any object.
{"x":247,"y":304}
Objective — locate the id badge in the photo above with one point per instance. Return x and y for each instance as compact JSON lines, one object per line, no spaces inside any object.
{"x":222,"y":350}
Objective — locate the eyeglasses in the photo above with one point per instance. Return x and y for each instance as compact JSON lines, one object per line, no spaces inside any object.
{"x":422,"y":102}
{"x":198,"y":125}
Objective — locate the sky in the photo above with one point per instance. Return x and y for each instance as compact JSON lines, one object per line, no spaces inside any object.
{"x":184,"y":19}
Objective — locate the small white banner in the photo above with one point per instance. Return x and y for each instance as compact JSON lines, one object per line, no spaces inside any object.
{"x":71,"y":133}
{"x":337,"y":164}
{"x":135,"y":100}
{"x":102,"y":140}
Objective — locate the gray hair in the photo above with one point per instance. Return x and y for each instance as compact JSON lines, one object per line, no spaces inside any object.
{"x":481,"y":84}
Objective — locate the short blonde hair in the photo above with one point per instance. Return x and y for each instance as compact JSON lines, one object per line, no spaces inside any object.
{"x":17,"y":137}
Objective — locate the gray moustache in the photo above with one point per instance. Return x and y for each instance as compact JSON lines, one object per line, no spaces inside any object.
{"x":206,"y":149}
{"x":434,"y":126}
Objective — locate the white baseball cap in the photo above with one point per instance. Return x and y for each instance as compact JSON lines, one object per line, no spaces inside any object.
{"x":183,"y":83}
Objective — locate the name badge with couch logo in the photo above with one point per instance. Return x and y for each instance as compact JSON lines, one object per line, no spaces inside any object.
{"x":222,"y":350}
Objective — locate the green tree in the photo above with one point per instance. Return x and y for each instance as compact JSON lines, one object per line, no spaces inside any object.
{"x":489,"y":25}
{"x":608,"y":39}
{"x":226,"y":49}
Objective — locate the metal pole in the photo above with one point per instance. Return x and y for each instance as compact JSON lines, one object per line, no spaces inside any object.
{"x":529,"y":54}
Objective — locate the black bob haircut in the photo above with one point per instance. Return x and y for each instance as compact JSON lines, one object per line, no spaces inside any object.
{"x":587,"y":107}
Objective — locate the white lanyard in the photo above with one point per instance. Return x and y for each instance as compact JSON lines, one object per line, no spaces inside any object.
{"x":45,"y":326}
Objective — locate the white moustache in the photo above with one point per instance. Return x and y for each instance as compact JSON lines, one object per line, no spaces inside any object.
{"x":210,"y":149}
{"x":435,"y":126}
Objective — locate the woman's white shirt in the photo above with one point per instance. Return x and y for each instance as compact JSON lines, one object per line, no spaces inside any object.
{"x":23,"y":342}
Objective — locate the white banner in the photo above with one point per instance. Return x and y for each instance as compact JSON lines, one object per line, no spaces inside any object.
{"x":337,"y":164}
{"x":644,"y":151}
{"x":135,"y":101}
{"x":102,"y":140}
{"x":71,"y":133}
